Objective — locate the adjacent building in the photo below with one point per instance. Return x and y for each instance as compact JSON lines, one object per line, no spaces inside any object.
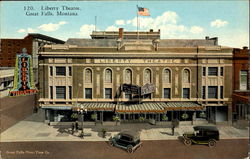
{"x":241,"y":93}
{"x":107,"y":76}
{"x":6,"y":80}
{"x":32,"y":42}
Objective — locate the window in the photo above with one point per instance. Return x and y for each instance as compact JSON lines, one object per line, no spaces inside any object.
{"x":147,"y":76}
{"x":51,"y":92}
{"x":147,"y":96}
{"x":186,"y":76}
{"x":70,"y":92}
{"x":51,"y":70}
{"x":128,"y":76}
{"x":108,"y":93}
{"x":88,"y":76}
{"x":60,"y":92}
{"x":167,"y":93}
{"x":204,"y":71}
{"x":88,"y":93}
{"x":243,"y":80}
{"x":108,"y":76}
{"x":212,"y":92}
{"x":221,"y":71}
{"x":186,"y":93}
{"x":70,"y":71}
{"x":203,"y":92}
{"x":166,"y":76}
{"x":212,"y":71}
{"x":221,"y":92}
{"x":128,"y":95}
{"x":60,"y":71}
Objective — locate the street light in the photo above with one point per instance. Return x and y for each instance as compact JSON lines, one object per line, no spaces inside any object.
{"x":82,"y":110}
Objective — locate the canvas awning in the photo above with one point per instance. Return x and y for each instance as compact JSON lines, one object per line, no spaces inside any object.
{"x":152,"y":107}
{"x":95,"y":106}
{"x":183,"y":106}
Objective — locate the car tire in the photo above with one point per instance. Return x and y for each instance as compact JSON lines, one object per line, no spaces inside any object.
{"x":212,"y":143}
{"x":111,"y":142}
{"x":187,"y":142}
{"x":130,"y":149}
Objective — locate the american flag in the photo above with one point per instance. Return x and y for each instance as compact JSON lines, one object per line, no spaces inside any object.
{"x":143,"y":11}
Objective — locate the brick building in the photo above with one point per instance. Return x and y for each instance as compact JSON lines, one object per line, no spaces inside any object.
{"x":241,"y":87}
{"x":32,"y":42}
{"x":189,"y":76}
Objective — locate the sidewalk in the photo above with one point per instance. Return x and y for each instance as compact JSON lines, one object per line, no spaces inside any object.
{"x":35,"y":130}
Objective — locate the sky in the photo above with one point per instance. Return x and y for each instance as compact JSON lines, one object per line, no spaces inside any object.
{"x":227,"y":20}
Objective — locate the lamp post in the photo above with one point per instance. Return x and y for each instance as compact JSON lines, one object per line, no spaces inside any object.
{"x":82,"y":110}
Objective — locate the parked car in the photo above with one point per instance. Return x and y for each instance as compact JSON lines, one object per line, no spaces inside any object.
{"x":127,"y":140}
{"x":202,"y":135}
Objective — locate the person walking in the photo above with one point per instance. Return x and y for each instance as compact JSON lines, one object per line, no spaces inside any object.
{"x":76,"y":126}
{"x":72,"y":128}
{"x":173,"y":126}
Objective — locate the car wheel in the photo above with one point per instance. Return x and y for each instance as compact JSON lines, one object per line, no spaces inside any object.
{"x":111,"y":142}
{"x":187,"y":142}
{"x":130,"y":149}
{"x":211,"y":143}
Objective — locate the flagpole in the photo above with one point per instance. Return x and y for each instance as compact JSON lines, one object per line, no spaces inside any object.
{"x":137,"y":22}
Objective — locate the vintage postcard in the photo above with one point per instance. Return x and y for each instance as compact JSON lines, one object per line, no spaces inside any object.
{"x":124,"y":79}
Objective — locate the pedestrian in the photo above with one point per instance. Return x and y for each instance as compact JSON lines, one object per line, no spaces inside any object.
{"x":76,"y":126}
{"x":73,"y":128}
{"x":173,"y":126}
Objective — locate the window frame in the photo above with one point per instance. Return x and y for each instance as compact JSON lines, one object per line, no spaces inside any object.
{"x":58,"y":72}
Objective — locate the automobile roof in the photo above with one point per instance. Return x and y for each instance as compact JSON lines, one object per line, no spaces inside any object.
{"x":205,"y":128}
{"x":133,"y":134}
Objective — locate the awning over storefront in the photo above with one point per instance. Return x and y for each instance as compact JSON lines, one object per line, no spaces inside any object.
{"x":57,"y":107}
{"x":183,"y":106}
{"x":96,"y":106}
{"x":154,"y":107}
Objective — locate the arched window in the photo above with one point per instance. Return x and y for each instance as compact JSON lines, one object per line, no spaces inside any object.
{"x":88,"y":76}
{"x":166,"y":76}
{"x":147,"y":76}
{"x":128,"y":76}
{"x":108,"y":76}
{"x":186,"y":76}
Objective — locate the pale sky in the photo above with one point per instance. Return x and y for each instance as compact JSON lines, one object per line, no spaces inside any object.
{"x":227,"y":20}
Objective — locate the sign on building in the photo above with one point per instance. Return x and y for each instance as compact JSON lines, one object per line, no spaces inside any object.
{"x":23,"y":75}
{"x":147,"y":88}
{"x":129,"y":88}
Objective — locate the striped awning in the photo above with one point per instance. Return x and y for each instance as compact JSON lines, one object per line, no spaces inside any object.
{"x":153,"y":107}
{"x":183,"y":106}
{"x":95,"y":106}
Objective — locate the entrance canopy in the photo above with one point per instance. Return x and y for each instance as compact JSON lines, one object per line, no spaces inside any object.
{"x":96,"y":106}
{"x":152,"y":107}
{"x":183,"y":106}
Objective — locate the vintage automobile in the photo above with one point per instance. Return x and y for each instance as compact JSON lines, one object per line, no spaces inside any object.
{"x":127,"y":140}
{"x":202,"y":135}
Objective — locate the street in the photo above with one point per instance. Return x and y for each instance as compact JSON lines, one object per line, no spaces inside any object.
{"x":170,"y":149}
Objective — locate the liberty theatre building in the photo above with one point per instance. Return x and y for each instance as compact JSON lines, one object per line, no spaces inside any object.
{"x":107,"y":74}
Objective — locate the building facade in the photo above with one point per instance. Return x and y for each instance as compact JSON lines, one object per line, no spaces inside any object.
{"x":6,"y":80}
{"x":187,"y":76}
{"x":32,"y":42}
{"x":241,"y":93}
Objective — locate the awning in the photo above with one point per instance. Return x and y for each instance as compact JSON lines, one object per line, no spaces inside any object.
{"x":153,"y":107}
{"x":94,"y":106}
{"x":57,"y":107}
{"x":183,"y":106}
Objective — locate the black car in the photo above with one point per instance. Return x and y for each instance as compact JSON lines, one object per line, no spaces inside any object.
{"x":202,"y":135}
{"x":127,"y":140}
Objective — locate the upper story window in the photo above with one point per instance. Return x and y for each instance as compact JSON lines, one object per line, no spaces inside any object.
{"x":147,"y":76}
{"x":222,"y":71}
{"x":128,"y":76}
{"x":60,"y":71}
{"x":186,"y":93}
{"x":243,"y":80}
{"x":88,"y":76}
{"x":212,"y":92}
{"x":108,"y":76}
{"x":51,"y":70}
{"x":186,"y":76}
{"x":203,"y":71}
{"x":88,"y":93}
{"x":70,"y":71}
{"x":60,"y":92}
{"x":166,"y":76}
{"x":212,"y":71}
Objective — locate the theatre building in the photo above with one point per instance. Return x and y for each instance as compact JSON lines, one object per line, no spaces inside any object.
{"x":119,"y":74}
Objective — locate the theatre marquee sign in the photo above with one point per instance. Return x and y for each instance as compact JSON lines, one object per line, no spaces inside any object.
{"x":139,"y":61}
